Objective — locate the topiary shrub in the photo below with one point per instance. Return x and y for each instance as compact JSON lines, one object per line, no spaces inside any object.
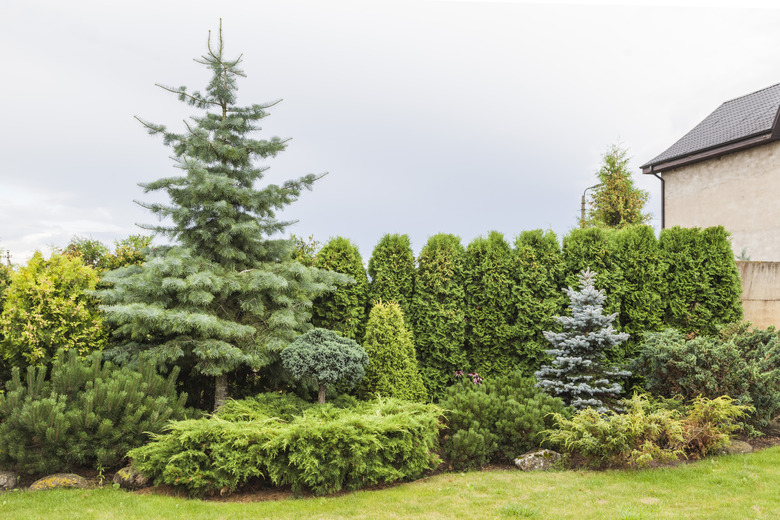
{"x":742,"y":364}
{"x":438,"y":312}
{"x":495,"y":421}
{"x":88,"y":414}
{"x":343,"y":310}
{"x":324,"y":449}
{"x":327,"y":358}
{"x":392,"y":370}
{"x":47,"y":308}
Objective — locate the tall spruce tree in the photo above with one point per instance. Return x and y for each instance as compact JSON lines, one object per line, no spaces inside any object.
{"x":578,"y":374}
{"x":227,"y":294}
{"x":617,"y":203}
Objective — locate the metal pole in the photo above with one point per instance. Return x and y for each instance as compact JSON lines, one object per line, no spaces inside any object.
{"x":582,"y":207}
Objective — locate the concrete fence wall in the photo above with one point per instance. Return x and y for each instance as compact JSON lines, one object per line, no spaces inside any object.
{"x":761,"y":292}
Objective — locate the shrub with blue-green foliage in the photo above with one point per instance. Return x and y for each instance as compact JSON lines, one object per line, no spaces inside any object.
{"x":495,"y":421}
{"x":323,"y":448}
{"x":327,"y":358}
{"x":88,"y":413}
{"x":438,"y":312}
{"x":578,"y":373}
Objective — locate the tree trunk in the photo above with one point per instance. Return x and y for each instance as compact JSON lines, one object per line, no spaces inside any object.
{"x":220,"y":392}
{"x":321,"y":399}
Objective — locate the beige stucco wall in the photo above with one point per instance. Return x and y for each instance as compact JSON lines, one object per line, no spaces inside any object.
{"x":761,"y":292}
{"x":740,"y":191}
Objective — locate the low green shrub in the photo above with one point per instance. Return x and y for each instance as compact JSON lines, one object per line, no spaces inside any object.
{"x":324,"y":448}
{"x":743,"y":364}
{"x":647,"y":433}
{"x":495,"y":421}
{"x":89,"y":413}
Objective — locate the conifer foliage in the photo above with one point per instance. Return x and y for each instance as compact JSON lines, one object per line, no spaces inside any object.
{"x":227,"y":294}
{"x":577,"y":374}
{"x":391,"y":269}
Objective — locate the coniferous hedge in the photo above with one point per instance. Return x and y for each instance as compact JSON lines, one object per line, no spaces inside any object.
{"x":703,"y":287}
{"x":595,"y":249}
{"x":538,"y":272}
{"x":391,"y":270}
{"x":438,"y":311}
{"x":343,"y":310}
{"x":489,"y":309}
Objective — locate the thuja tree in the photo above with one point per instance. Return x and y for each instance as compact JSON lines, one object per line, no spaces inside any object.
{"x":326,"y":358}
{"x":438,"y":311}
{"x":392,"y":370}
{"x":594,"y":249}
{"x":538,"y":271}
{"x":227,"y":294}
{"x":343,"y":310}
{"x":391,"y":270}
{"x":703,"y":287}
{"x":48,"y":307}
{"x":617,"y":202}
{"x":489,"y":309}
{"x":578,"y":374}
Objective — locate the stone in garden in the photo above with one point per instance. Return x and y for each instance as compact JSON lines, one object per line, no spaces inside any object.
{"x":736,"y":447}
{"x":130,"y":478}
{"x":8,"y":480}
{"x":537,"y":460}
{"x":60,"y":480}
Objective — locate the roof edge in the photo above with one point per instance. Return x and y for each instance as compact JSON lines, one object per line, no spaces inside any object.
{"x":716,"y":151}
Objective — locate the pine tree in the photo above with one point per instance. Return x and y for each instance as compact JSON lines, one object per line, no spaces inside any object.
{"x":227,"y":294}
{"x":577,"y":374}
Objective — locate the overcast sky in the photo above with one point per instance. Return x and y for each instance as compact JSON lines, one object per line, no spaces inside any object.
{"x":430,"y":116}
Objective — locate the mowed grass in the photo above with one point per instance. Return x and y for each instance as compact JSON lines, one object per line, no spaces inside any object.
{"x":727,"y":487}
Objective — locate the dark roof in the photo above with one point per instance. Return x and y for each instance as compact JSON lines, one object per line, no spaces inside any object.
{"x":735,"y":121}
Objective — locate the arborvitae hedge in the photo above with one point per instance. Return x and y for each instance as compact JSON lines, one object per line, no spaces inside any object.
{"x":703,"y":287}
{"x":594,"y":249}
{"x":391,"y":270}
{"x":642,"y":306}
{"x":489,"y":309}
{"x":538,"y":272}
{"x":343,"y":310}
{"x":392,"y":368}
{"x":438,"y":312}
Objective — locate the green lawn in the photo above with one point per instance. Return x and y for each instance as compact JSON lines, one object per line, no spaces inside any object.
{"x":728,"y":487}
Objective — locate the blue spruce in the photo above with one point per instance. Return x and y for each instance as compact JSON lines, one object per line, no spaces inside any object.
{"x":577,"y":373}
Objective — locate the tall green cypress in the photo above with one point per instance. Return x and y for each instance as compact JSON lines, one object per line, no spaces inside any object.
{"x":641,"y":308}
{"x":226,"y":294}
{"x":538,"y":272}
{"x":391,"y":269}
{"x":438,"y":311}
{"x":594,"y":249}
{"x":343,"y":310}
{"x":703,"y":286}
{"x":489,"y":309}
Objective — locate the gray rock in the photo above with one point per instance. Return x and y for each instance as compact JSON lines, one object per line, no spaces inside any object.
{"x":537,"y":460}
{"x":60,"y":480}
{"x":130,"y":478}
{"x":8,"y":480}
{"x":736,"y":447}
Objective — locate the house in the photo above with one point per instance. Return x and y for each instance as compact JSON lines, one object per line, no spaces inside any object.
{"x":726,"y":171}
